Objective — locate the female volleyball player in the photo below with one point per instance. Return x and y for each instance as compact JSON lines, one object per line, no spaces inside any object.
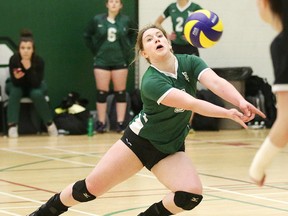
{"x":109,"y":36}
{"x":155,"y":138}
{"x":179,"y":12}
{"x":274,"y":12}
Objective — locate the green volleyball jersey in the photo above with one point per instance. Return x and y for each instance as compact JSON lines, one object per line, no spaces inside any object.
{"x":178,"y":16}
{"x":167,"y":127}
{"x":110,"y":52}
{"x":110,"y":43}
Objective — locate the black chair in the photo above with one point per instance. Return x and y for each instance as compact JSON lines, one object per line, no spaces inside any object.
{"x":7,"y":49}
{"x":26,"y":104}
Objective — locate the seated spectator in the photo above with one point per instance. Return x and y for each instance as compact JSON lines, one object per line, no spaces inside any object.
{"x":26,"y":80}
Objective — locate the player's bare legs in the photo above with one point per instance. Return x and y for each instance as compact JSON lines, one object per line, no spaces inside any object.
{"x":119,"y":162}
{"x":178,"y":174}
{"x":102,"y":80}
{"x":278,"y":133}
{"x":275,"y":142}
{"x":119,"y":79}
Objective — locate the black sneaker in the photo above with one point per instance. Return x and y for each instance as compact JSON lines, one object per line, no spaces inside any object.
{"x":39,"y":213}
{"x":120,"y":127}
{"x":53,"y":207}
{"x":35,"y":213}
{"x":100,"y":127}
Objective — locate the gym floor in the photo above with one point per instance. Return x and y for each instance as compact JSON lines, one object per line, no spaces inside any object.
{"x":35,"y":167}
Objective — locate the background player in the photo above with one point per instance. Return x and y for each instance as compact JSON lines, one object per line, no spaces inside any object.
{"x":275,"y":12}
{"x":179,"y":12}
{"x":109,"y":36}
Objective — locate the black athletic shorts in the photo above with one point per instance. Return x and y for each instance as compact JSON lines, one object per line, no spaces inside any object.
{"x":144,"y":150}
{"x":114,"y":67}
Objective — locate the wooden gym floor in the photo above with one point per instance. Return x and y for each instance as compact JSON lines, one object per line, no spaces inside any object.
{"x":33,"y":168}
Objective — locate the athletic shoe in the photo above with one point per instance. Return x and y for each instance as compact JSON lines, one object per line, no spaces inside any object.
{"x":35,"y":213}
{"x":100,"y":127}
{"x":120,"y":127}
{"x":52,"y":130}
{"x":53,"y":207}
{"x":13,"y":132}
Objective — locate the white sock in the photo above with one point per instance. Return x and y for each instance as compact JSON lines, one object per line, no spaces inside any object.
{"x":262,"y":159}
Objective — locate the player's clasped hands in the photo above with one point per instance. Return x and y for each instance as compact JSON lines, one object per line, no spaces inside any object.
{"x":249,"y":111}
{"x":236,"y":116}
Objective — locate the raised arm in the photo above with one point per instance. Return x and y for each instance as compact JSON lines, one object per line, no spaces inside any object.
{"x":159,"y":20}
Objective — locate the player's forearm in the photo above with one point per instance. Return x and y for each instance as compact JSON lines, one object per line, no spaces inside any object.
{"x":228,"y":92}
{"x":208,"y":109}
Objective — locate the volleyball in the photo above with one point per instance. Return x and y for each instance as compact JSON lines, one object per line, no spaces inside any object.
{"x":203,"y":29}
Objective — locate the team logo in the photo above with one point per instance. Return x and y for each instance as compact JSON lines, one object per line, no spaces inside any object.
{"x":179,"y":110}
{"x":86,"y":195}
{"x":127,"y":141}
{"x":194,"y":199}
{"x":186,"y":76}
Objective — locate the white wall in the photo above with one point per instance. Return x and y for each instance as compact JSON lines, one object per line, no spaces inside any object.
{"x":245,"y":40}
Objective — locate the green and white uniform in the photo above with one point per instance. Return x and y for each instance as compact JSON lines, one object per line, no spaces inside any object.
{"x":110,"y":41}
{"x":167,"y":127}
{"x":178,"y":16}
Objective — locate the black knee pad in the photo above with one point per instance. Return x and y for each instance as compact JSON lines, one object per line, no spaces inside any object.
{"x":80,"y":192}
{"x":120,"y":96}
{"x":187,"y":201}
{"x":102,"y":96}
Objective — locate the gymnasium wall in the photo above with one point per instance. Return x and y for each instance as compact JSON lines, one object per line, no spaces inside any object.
{"x":245,"y":41}
{"x":58,"y":28}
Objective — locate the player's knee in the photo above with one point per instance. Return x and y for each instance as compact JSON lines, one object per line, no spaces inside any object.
{"x":186,"y":200}
{"x":120,"y":96}
{"x":102,"y":96}
{"x":80,"y":192}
